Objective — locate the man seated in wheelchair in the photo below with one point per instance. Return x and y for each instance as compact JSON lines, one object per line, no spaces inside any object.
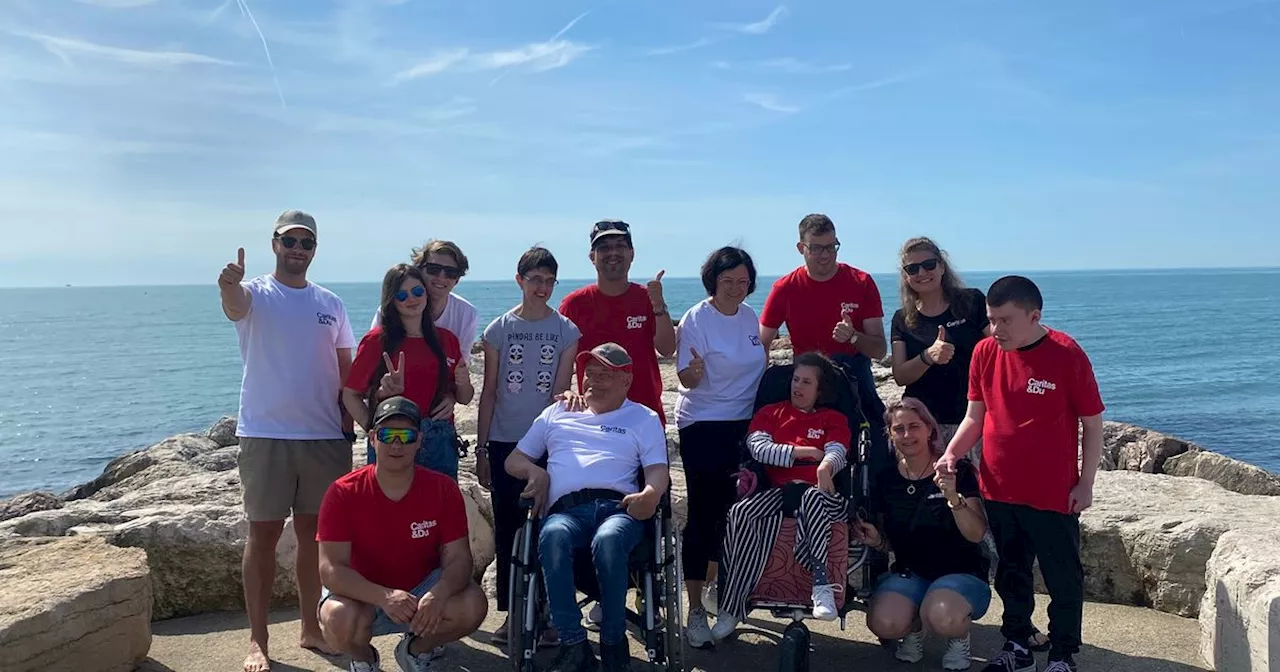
{"x":593,"y":499}
{"x":803,"y":441}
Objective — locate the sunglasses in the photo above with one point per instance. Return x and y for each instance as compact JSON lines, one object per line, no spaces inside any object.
{"x":451,"y":272}
{"x":308,"y":244}
{"x":610,"y":226}
{"x":927,"y":264}
{"x":396,"y":435}
{"x":403,"y":296}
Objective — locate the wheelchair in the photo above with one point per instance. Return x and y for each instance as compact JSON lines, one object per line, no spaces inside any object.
{"x":655,"y":572}
{"x":785,"y":586}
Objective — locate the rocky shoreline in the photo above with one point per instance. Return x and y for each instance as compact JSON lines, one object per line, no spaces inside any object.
{"x":1174,"y":527}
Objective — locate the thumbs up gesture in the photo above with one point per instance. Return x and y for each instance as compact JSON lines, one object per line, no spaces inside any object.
{"x":233,"y":273}
{"x":392,"y":383}
{"x":844,"y":331}
{"x":696,"y":368}
{"x":655,"y":292}
{"x":941,"y":351}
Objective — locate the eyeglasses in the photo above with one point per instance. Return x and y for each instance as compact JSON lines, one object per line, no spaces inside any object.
{"x":927,"y":264}
{"x":308,"y":244}
{"x":540,"y":281}
{"x":396,"y":435}
{"x":822,"y":249}
{"x":417,"y":291}
{"x":451,"y":272}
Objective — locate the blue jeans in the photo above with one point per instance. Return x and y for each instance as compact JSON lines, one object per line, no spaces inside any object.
{"x":611,"y":534}
{"x":382,"y":623}
{"x":437,"y":451}
{"x":971,"y":588}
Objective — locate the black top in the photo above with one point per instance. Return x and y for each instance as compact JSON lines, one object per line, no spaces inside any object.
{"x":922,"y":528}
{"x":944,"y":387}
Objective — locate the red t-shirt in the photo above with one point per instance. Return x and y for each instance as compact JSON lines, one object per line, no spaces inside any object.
{"x":1030,"y":438}
{"x":784,"y":423}
{"x":627,"y":320}
{"x":393,"y":544}
{"x":420,"y":364}
{"x":811,"y":309}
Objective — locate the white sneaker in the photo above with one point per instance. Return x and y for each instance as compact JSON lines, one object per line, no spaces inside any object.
{"x":407,"y":661}
{"x":594,"y":616}
{"x":824,"y":603}
{"x":710,"y":597}
{"x":957,"y":655}
{"x":361,"y":666}
{"x":725,"y":625}
{"x":697,"y":630}
{"x":911,"y":647}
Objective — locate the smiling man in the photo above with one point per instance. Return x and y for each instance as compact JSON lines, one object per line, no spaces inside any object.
{"x":395,"y":554}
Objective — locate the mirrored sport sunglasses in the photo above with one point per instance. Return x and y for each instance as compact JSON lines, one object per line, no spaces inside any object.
{"x":403,"y":296}
{"x":396,"y":435}
{"x":451,"y":272}
{"x":308,"y":244}
{"x":927,"y":264}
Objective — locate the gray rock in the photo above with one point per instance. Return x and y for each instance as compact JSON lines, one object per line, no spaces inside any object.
{"x":172,"y":451}
{"x":73,"y":604}
{"x":1131,"y":448}
{"x":1231,"y":474}
{"x":1240,"y":613}
{"x":28,"y":502}
{"x":223,"y":432}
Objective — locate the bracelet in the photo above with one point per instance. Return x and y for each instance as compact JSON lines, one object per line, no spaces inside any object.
{"x":961,"y":505}
{"x":660,"y":313}
{"x":925,"y":359}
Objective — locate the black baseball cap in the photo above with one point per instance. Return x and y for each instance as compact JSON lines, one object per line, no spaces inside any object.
{"x":397,"y":406}
{"x":610,"y":227}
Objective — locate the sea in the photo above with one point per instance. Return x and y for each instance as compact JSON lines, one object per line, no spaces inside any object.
{"x":95,"y":372}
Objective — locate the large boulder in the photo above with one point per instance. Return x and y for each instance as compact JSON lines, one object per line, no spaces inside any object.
{"x":1131,"y":448}
{"x":28,"y":502}
{"x":223,"y":432}
{"x":1233,"y":475}
{"x":73,"y":604}
{"x":1240,"y":614}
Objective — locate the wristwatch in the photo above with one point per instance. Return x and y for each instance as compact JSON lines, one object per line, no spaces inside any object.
{"x":660,"y":313}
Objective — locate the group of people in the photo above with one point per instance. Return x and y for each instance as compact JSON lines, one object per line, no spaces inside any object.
{"x":979,"y":455}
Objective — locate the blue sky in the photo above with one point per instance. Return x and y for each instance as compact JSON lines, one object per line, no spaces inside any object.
{"x":143,"y":141}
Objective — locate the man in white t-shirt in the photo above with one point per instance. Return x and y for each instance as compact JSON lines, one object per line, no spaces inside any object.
{"x":594,"y":497}
{"x":295,"y":439}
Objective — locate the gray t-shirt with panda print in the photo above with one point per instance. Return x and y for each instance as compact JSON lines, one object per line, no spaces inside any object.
{"x":529,"y":354}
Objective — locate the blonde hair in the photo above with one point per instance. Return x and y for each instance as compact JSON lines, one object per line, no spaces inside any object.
{"x":916,"y":406}
{"x":952,"y":286}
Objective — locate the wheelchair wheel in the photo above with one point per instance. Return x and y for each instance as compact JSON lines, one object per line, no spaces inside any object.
{"x":522,"y":615}
{"x":793,"y":650}
{"x":675,"y":643}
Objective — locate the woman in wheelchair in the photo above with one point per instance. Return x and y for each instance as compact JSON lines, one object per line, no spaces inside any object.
{"x":798,"y":441}
{"x":934,"y":523}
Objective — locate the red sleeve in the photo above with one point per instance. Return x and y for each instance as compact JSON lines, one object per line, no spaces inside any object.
{"x":368,"y":355}
{"x":837,"y":427}
{"x":775,"y":306}
{"x":1085,"y":397}
{"x":872,"y":300}
{"x":765,"y":420}
{"x":453,"y":526}
{"x":567,"y":305}
{"x":976,"y":366}
{"x":335,"y":520}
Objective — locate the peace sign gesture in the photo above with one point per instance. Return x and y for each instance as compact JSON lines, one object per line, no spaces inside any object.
{"x":392,"y":383}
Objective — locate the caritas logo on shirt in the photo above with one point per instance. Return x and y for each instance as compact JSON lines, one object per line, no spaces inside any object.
{"x":423,"y":529}
{"x":1039,"y":386}
{"x":847,"y":308}
{"x":636,"y":321}
{"x":816,"y":433}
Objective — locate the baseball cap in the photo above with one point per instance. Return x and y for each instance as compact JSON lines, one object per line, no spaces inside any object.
{"x":612,"y":355}
{"x":295,"y":219}
{"x":397,"y":406}
{"x":610,"y":227}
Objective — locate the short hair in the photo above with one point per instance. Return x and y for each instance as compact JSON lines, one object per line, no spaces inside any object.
{"x":446,"y":247}
{"x":726,"y":259}
{"x":816,"y":224}
{"x":537,"y":257}
{"x":1016,"y":289}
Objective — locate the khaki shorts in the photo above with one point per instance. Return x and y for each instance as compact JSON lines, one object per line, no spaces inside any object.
{"x":280,"y":476}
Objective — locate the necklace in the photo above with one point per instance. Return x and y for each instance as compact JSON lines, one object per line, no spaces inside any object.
{"x":911,"y":486}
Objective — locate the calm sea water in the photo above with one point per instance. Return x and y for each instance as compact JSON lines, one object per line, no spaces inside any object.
{"x":95,"y":372}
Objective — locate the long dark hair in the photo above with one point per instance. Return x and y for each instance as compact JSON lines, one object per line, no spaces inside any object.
{"x":828,"y":378}
{"x":393,"y":335}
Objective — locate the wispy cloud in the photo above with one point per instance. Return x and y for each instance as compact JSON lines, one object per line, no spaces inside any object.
{"x":787,"y":66}
{"x":675,"y":49}
{"x":537,"y":57}
{"x":434,"y":65}
{"x":118,"y":4}
{"x":66,"y":47}
{"x":759,"y":27}
{"x":770,"y":102}
{"x":244,"y":9}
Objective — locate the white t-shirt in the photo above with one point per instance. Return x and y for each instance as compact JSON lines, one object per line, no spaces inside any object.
{"x":585,"y":450}
{"x":459,"y":316}
{"x":733,"y":362}
{"x":289,"y":343}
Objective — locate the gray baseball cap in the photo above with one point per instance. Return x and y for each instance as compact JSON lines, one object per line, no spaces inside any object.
{"x":612,"y":355}
{"x":295,"y":219}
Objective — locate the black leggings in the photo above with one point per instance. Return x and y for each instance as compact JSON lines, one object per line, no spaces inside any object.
{"x":710,"y":451}
{"x":507,"y":516}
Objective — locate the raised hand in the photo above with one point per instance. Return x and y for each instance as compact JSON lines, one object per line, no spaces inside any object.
{"x":392,"y":383}
{"x":941,"y":351}
{"x":655,"y":292}
{"x":233,"y":273}
{"x":844,"y":331}
{"x":696,"y":367}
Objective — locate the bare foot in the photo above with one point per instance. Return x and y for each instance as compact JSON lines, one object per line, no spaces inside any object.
{"x":315,"y":642}
{"x":257,"y":660}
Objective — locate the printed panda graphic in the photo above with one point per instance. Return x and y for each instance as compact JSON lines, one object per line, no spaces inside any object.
{"x":515,"y":381}
{"x":547,"y":354}
{"x":544,"y":382}
{"x":515,"y":354}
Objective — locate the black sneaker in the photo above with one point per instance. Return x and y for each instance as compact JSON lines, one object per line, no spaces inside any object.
{"x":1061,"y":665}
{"x":575,"y":658}
{"x":615,"y":657}
{"x":1012,"y":658}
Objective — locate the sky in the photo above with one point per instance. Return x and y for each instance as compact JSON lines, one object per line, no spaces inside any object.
{"x":144,"y":141}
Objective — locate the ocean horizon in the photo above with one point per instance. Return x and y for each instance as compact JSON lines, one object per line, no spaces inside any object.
{"x":98,"y":371}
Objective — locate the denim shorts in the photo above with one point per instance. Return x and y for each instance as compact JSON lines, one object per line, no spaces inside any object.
{"x":973,"y":589}
{"x":382,"y":623}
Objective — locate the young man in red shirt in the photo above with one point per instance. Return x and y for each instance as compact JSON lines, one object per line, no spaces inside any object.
{"x":394,"y":552}
{"x":1030,"y":389}
{"x":616,"y":310}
